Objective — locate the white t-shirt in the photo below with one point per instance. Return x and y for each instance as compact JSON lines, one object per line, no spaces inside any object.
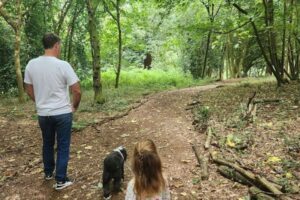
{"x":130,"y":194}
{"x":51,"y":78}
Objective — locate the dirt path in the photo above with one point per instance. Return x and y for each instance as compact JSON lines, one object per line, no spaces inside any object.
{"x":162,"y":118}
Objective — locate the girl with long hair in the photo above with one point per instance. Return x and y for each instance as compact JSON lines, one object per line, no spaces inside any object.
{"x":148,"y":182}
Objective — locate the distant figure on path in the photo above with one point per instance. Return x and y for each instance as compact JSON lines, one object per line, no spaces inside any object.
{"x":148,"y":182}
{"x":148,"y":61}
{"x":48,"y":81}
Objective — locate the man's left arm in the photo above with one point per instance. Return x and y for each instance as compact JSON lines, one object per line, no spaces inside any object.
{"x":29,"y":91}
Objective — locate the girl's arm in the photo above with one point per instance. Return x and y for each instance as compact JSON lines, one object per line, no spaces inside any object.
{"x":129,"y":192}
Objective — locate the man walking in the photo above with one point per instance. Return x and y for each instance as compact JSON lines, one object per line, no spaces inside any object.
{"x":48,"y":81}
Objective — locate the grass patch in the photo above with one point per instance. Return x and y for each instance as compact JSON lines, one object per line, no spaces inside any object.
{"x":134,"y":84}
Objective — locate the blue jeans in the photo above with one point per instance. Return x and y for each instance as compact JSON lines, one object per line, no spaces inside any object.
{"x":59,"y":125}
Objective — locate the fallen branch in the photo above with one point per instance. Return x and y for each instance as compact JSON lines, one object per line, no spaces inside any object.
{"x":268,"y":185}
{"x":191,"y":105}
{"x":234,"y":175}
{"x":118,"y":116}
{"x":250,"y":99}
{"x":258,"y":181}
{"x":203,"y":162}
{"x":258,"y":194}
{"x":266,"y":101}
{"x":208,"y":138}
{"x":205,"y":175}
{"x":197,"y":154}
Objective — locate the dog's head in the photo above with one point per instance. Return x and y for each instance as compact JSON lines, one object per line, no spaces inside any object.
{"x":123,"y":151}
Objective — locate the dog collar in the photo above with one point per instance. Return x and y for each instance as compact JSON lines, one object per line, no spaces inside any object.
{"x":117,"y":150}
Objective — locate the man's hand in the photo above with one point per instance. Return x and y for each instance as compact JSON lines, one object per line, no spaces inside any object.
{"x":76,"y":93}
{"x":29,"y":91}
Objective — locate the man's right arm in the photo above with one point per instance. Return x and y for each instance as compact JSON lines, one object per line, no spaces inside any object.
{"x":29,"y":91}
{"x":76,"y":93}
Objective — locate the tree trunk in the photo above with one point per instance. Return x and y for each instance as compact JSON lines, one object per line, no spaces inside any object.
{"x":95,"y":48}
{"x":272,"y":62}
{"x":18,"y":64}
{"x":206,"y":53}
{"x":119,"y":44}
{"x":78,"y":10}
{"x":16,"y":24}
{"x":63,"y":15}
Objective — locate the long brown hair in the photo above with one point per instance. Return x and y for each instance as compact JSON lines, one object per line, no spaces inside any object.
{"x":147,"y":169}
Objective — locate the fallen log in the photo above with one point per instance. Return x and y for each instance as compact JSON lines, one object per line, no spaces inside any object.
{"x":232,"y":174}
{"x":203,"y":163}
{"x":266,"y":101}
{"x":258,"y":194}
{"x":204,"y":174}
{"x":208,"y":138}
{"x":270,"y":186}
{"x":258,"y":181}
{"x":196,"y":154}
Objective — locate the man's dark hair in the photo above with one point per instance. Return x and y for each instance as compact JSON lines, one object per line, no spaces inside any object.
{"x":49,"y":40}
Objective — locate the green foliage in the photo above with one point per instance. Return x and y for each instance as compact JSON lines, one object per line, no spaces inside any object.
{"x":7,"y":75}
{"x":201,"y":116}
{"x":148,"y":79}
{"x":79,"y":125}
{"x":34,"y":28}
{"x":135,"y":83}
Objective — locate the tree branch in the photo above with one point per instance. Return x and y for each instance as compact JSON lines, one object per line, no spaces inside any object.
{"x":217,"y":10}
{"x":109,"y":12}
{"x":240,"y":9}
{"x":8,"y":18}
{"x":63,"y":14}
{"x":234,"y":29}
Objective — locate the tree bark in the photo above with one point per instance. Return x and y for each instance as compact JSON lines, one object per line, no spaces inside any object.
{"x":258,"y":194}
{"x":16,"y":24}
{"x":272,"y":62}
{"x":212,"y":13}
{"x":119,"y":44}
{"x":95,"y":48}
{"x":78,"y":10}
{"x":63,"y":15}
{"x":117,"y":19}
{"x":18,"y":65}
{"x":206,"y":53}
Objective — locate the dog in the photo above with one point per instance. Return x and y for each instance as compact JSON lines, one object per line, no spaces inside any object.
{"x":113,"y":169}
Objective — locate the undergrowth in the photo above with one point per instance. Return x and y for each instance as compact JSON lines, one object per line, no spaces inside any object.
{"x":134,"y":84}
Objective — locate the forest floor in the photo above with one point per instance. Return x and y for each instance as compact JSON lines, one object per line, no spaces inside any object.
{"x":273,"y":143}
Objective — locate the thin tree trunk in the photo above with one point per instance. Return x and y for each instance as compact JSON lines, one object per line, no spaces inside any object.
{"x":270,"y":63}
{"x":95,"y":48}
{"x":63,"y":15}
{"x":119,"y":45}
{"x":120,"y":55}
{"x":283,"y":36}
{"x":206,"y":53}
{"x":16,"y":24}
{"x":18,"y":64}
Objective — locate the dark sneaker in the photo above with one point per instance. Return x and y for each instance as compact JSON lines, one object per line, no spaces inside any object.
{"x":48,"y":177}
{"x":59,"y":185}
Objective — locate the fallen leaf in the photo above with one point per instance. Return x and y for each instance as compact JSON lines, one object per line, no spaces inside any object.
{"x":124,"y":135}
{"x":273,"y":159}
{"x":88,"y":147}
{"x":183,"y":194}
{"x":289,"y":175}
{"x":185,"y":161}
